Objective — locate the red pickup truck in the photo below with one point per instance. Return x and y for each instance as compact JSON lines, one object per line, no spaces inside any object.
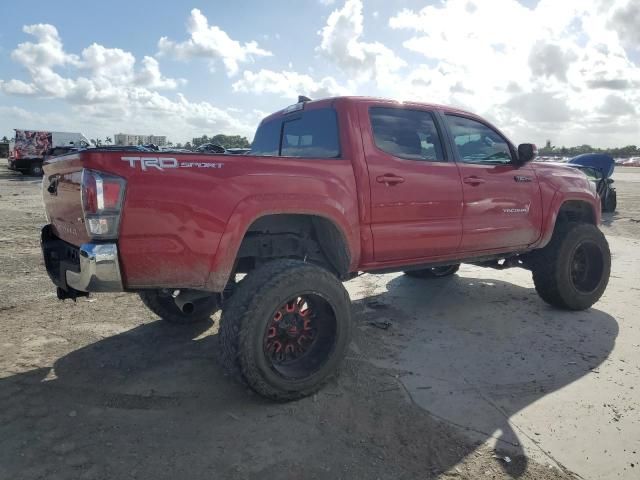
{"x":331,"y":188}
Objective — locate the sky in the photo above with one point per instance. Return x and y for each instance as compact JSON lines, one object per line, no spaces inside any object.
{"x":567,"y":71}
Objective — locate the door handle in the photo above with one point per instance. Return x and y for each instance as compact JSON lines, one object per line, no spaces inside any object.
{"x":474,"y":181}
{"x":389,"y":179}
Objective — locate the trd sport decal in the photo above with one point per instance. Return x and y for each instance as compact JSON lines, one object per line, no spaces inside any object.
{"x":162,"y":163}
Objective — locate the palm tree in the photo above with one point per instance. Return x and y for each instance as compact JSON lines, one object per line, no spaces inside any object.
{"x":108,"y":141}
{"x":96,"y":142}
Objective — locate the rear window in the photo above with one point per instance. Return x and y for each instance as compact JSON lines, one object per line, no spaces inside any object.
{"x":311,"y":134}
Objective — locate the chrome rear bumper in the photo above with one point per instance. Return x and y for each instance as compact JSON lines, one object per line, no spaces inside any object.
{"x":99,"y":269}
{"x":92,"y":267}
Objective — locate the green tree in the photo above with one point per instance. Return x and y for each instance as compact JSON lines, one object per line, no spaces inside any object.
{"x":96,"y":142}
{"x":230,"y":141}
{"x":226,"y":141}
{"x":188,"y":146}
{"x":4,"y":139}
{"x":548,"y":149}
{"x":108,"y":141}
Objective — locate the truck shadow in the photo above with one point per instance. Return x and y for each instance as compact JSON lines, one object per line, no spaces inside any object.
{"x":475,"y":352}
{"x":152,"y":401}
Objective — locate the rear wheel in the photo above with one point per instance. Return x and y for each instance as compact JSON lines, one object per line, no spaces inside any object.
{"x":285,"y":330}
{"x":162,"y":303}
{"x":35,"y":170}
{"x":572,"y":271}
{"x":435,"y":272}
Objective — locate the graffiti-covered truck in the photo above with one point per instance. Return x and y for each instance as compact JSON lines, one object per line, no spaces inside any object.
{"x":30,"y":147}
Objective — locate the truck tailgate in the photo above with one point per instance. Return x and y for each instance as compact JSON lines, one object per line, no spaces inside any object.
{"x":61,"y":194}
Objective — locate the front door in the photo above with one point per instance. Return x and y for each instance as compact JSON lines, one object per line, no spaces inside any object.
{"x":416,"y":194}
{"x":501,"y":200}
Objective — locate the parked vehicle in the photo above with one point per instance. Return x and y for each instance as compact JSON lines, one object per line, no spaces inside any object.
{"x":238,"y":151}
{"x":210,"y":148}
{"x":599,"y":168}
{"x":331,"y":188}
{"x":30,"y":148}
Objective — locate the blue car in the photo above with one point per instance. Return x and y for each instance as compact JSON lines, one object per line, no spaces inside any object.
{"x":599,"y":168}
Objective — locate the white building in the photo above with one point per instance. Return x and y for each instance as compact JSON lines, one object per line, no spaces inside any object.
{"x":128,"y":139}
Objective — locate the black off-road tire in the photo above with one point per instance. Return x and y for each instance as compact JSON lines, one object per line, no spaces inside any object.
{"x":35,"y":170}
{"x":246,"y":316}
{"x":162,"y":304}
{"x":552,"y":266}
{"x":610,"y":203}
{"x":437,"y":272}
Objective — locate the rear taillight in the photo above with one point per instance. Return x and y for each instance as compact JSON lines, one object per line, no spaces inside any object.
{"x":102,"y":197}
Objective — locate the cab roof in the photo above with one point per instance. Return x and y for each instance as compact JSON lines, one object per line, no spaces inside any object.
{"x":332,"y":101}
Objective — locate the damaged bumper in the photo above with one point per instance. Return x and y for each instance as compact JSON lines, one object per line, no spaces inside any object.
{"x":92,"y":267}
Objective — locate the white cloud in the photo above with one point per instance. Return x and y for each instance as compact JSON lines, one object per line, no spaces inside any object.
{"x":550,"y":60}
{"x":616,"y":106}
{"x":150,"y":76}
{"x":341,"y":42}
{"x":108,"y":92}
{"x":287,"y":84}
{"x":540,"y":107}
{"x":211,"y":42}
{"x":626,"y":22}
{"x":547,"y":70}
{"x":46,"y":53}
{"x":112,"y":64}
{"x":17,"y":87}
{"x":565,"y":70}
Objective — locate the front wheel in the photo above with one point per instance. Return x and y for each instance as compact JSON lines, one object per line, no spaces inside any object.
{"x":286,"y":329}
{"x":435,"y":272}
{"x":610,"y":202}
{"x":572,"y":271}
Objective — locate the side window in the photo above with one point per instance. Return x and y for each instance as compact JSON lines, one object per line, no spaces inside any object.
{"x":477,"y":143}
{"x":312,"y":135}
{"x":410,"y":134}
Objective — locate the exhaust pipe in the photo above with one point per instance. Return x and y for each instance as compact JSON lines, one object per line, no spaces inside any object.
{"x":185,"y":299}
{"x":186,"y":306}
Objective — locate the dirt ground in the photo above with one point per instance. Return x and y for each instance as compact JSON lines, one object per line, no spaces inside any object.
{"x":102,"y":389}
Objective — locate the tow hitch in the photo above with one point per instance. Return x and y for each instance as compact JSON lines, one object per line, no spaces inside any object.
{"x":70,"y":293}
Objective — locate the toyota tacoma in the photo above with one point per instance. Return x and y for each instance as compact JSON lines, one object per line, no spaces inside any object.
{"x":331,"y":188}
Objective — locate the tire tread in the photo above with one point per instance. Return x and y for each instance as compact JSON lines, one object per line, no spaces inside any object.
{"x":237,"y":322}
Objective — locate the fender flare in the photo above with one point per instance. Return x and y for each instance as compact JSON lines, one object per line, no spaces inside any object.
{"x":559,"y":199}
{"x":254,"y":207}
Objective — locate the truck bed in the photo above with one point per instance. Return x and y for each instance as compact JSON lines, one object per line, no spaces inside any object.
{"x":182,"y":212}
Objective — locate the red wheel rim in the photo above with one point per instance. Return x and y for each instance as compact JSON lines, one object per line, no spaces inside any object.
{"x":291,"y":333}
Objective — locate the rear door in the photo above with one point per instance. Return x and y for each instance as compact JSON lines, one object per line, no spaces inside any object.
{"x":501,"y":200}
{"x":416,"y":194}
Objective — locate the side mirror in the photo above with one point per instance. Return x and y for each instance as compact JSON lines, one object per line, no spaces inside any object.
{"x":526,"y":153}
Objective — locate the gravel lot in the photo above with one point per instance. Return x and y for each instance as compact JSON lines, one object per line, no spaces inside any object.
{"x":102,"y":389}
